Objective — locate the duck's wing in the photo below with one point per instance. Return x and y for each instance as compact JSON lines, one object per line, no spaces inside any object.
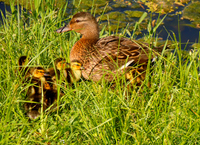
{"x":123,"y":50}
{"x":114,"y":53}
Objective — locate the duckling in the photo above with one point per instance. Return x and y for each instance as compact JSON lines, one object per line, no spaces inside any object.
{"x":23,"y":71}
{"x":55,"y":72}
{"x":38,"y":79}
{"x":73,"y":72}
{"x":136,"y":76}
{"x":76,"y":70}
{"x":33,"y":108}
{"x":60,"y":65}
{"x":21,"y":62}
{"x":34,"y":93}
{"x":70,"y":71}
{"x":108,"y":56}
{"x":27,"y":72}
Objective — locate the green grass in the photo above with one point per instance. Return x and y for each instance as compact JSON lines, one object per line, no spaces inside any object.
{"x":93,"y":113}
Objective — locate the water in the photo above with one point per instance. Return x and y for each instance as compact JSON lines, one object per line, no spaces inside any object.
{"x":3,"y":8}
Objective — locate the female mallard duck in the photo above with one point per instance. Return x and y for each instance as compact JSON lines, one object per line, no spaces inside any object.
{"x":105,"y":57}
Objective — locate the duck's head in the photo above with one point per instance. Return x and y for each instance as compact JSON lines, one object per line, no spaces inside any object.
{"x":83,"y":23}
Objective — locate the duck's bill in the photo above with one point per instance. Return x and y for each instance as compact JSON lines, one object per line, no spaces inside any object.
{"x":63,"y":29}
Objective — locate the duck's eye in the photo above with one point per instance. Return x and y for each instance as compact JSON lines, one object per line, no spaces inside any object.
{"x":77,"y":20}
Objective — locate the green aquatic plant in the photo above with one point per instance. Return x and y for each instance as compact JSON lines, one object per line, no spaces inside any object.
{"x":133,"y":14}
{"x":192,"y":13}
{"x":163,"y":6}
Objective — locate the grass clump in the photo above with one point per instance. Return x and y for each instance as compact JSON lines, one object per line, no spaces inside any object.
{"x":93,"y":113}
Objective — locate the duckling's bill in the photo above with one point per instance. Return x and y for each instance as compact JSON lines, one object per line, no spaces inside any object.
{"x":47,"y":74}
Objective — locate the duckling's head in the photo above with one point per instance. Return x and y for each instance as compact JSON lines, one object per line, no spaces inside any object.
{"x":22,"y":60}
{"x":60,"y":63}
{"x":76,"y":65}
{"x":38,"y":72}
{"x":83,"y":23}
{"x":77,"y":68}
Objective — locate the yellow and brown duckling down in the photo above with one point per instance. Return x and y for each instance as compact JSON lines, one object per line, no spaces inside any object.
{"x":108,"y":56}
{"x":136,"y":76}
{"x":23,"y":70}
{"x":38,"y":93}
{"x":74,"y":71}
{"x":21,"y":62}
{"x":42,"y":83}
{"x":71,"y":72}
{"x":39,"y":80}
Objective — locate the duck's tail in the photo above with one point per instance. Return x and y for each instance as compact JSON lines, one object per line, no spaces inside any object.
{"x":161,"y":48}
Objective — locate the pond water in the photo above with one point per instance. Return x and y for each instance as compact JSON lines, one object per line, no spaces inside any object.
{"x":188,"y":33}
{"x":2,"y":8}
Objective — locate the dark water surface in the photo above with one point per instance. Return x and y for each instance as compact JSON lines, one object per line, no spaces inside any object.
{"x":189,"y":35}
{"x":3,"y":8}
{"x":170,"y":24}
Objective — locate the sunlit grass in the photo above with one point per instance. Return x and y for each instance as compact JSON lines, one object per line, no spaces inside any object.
{"x":95,"y":113}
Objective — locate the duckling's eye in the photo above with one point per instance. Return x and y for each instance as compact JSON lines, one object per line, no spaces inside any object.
{"x":77,"y":64}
